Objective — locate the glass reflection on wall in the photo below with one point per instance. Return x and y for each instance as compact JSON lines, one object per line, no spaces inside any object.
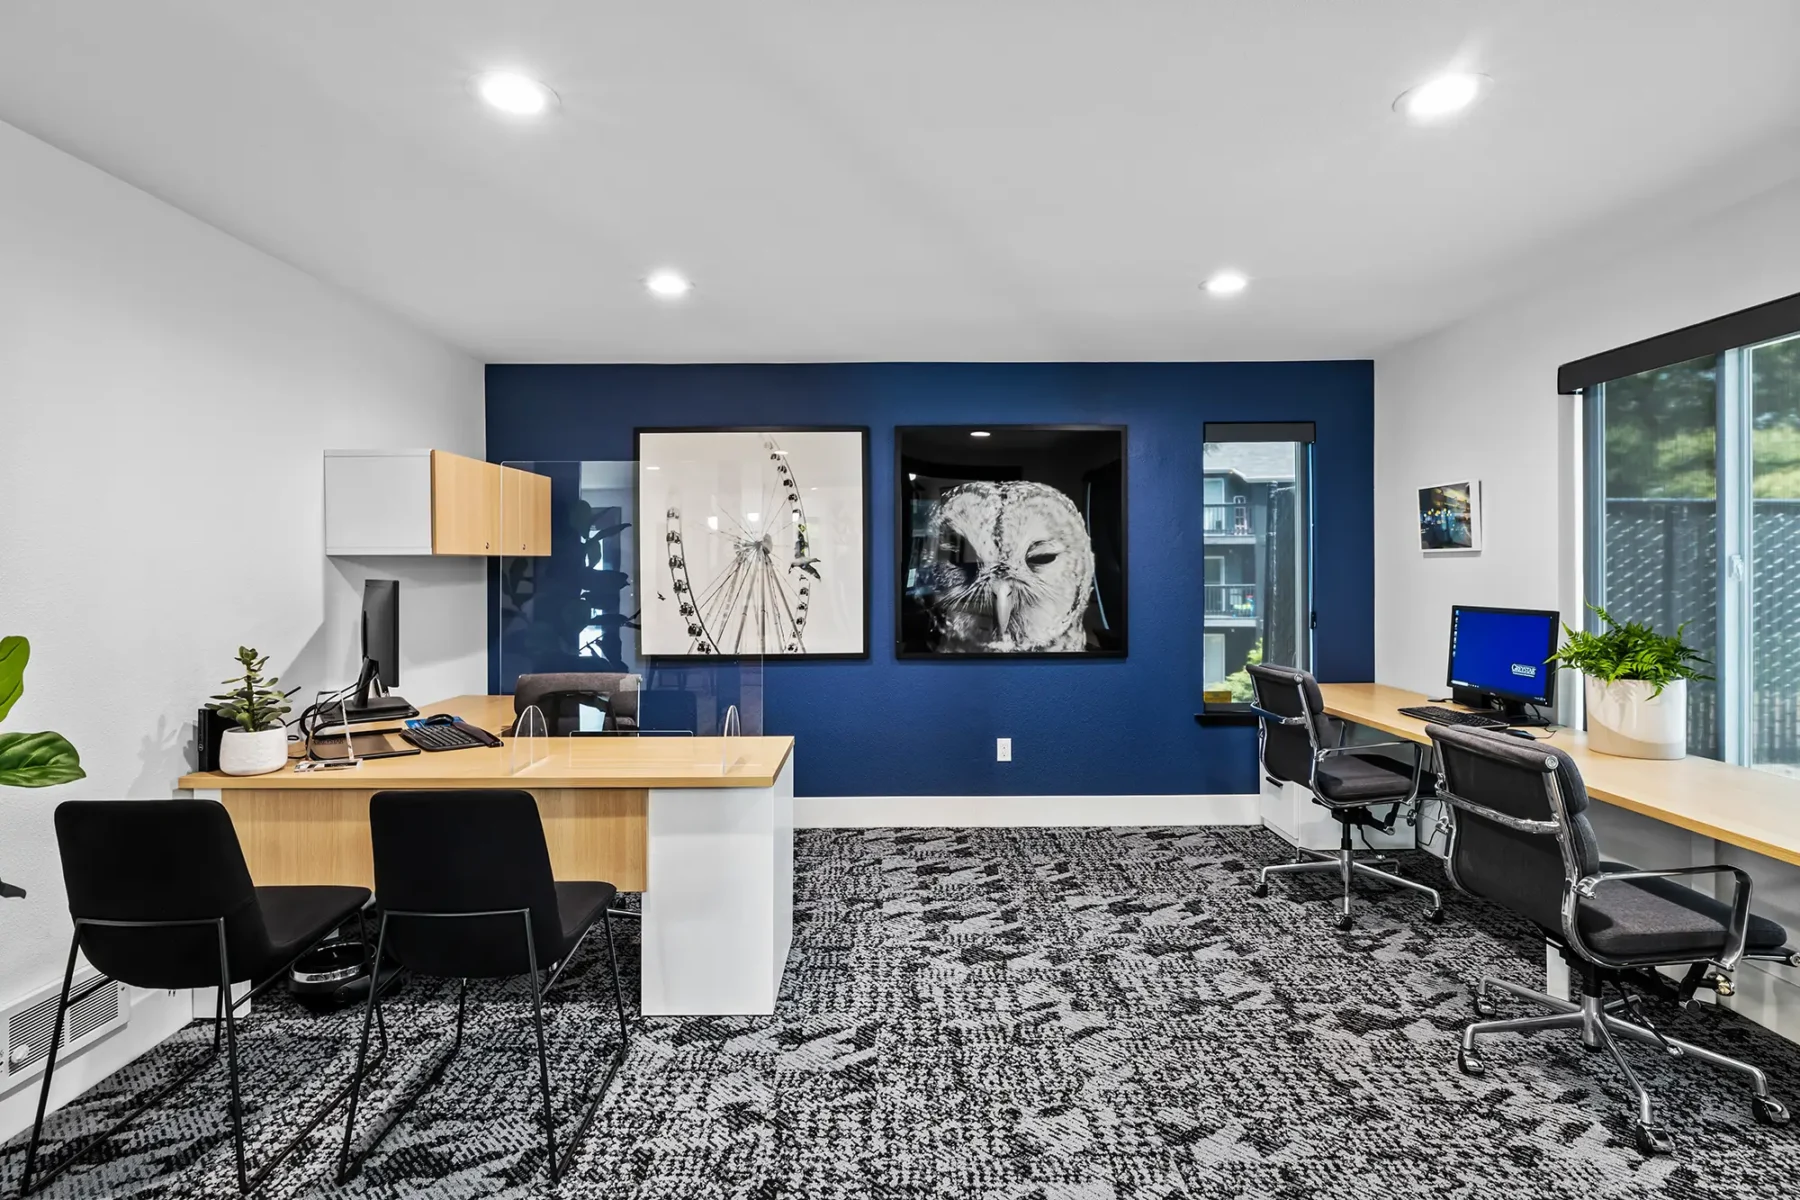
{"x":575,"y":609}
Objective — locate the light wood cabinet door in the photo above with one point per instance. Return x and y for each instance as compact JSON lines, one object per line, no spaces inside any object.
{"x":536,"y":513}
{"x":465,"y":505}
{"x":525,"y":515}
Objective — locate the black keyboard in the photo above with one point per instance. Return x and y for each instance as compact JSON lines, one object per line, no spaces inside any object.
{"x":1449,"y":716}
{"x":448,"y":737}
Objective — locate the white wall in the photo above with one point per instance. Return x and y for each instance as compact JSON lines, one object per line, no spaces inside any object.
{"x":1478,"y":399}
{"x":165,"y":395}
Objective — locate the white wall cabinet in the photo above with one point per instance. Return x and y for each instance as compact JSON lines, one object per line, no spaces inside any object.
{"x":402,"y":502}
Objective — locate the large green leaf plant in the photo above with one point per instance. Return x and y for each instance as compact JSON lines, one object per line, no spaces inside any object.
{"x":30,"y":759}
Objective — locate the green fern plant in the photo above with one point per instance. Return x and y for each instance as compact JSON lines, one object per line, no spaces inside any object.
{"x":252,"y":701}
{"x":1630,"y":650}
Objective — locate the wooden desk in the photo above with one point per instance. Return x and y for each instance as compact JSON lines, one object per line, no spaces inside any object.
{"x":702,"y":826}
{"x":1756,"y":810}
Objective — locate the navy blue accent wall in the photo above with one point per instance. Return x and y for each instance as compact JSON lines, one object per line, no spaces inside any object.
{"x":1110,"y":727}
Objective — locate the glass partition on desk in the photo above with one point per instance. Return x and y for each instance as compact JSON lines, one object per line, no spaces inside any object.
{"x":569,"y":599}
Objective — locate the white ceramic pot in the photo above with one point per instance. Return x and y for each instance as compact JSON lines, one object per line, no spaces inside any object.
{"x":1624,"y":718}
{"x":244,"y":753}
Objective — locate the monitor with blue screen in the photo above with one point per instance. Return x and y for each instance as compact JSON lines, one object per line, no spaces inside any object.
{"x":1500,"y":655}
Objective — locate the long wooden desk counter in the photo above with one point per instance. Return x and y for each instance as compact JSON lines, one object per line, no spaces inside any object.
{"x":1757,"y":810}
{"x":703,"y":827}
{"x":597,"y":762}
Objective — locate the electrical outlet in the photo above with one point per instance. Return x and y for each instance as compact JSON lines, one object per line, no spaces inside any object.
{"x":1002,"y":749}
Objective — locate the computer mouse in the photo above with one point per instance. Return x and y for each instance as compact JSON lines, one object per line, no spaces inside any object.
{"x":1520,"y":733}
{"x":440,"y":719}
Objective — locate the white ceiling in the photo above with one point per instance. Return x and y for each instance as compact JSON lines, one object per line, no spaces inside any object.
{"x":934,"y":179}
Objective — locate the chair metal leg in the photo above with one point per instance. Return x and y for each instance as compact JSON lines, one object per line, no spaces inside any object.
{"x":1759,"y":1082}
{"x":56,"y":1031}
{"x":537,"y":1024}
{"x":1650,"y":1138}
{"x":362,"y":1053}
{"x":1437,"y":902}
{"x":1484,"y":1003}
{"x":1344,"y":872}
{"x":231,"y":1063}
{"x":612,"y":957}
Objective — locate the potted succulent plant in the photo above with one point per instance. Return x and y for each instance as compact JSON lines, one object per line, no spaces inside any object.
{"x":259,"y":744}
{"x":1636,"y":686}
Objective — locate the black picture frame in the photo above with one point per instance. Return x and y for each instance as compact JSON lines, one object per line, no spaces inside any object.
{"x":644,"y":539}
{"x":907,"y":641}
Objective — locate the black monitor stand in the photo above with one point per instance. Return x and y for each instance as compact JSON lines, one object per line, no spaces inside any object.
{"x":372,"y":702}
{"x":1513,"y":712}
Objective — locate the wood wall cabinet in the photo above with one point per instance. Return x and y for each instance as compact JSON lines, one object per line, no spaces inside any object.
{"x":389,"y":502}
{"x":524,"y":512}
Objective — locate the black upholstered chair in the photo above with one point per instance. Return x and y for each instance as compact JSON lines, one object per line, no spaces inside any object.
{"x":1297,"y":744}
{"x":1521,"y":839}
{"x":162,"y":899}
{"x":560,"y":696}
{"x":465,"y":891}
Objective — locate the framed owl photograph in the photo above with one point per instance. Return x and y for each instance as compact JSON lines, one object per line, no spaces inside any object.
{"x":754,"y":542}
{"x":1011,"y":541}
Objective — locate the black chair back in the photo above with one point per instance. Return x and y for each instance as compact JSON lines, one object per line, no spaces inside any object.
{"x":160,"y":861}
{"x":1526,"y":872}
{"x":1287,"y":750}
{"x":464,"y":852}
{"x":558,"y":695}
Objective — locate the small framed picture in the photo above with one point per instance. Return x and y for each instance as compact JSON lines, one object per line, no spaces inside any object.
{"x":1450,"y":517}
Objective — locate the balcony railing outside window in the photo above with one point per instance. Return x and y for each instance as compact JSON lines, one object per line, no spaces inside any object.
{"x":1231,"y":520}
{"x":1236,"y":600}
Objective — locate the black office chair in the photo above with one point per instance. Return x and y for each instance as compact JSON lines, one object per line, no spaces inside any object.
{"x":560,"y":696}
{"x":1520,"y":837}
{"x":463,"y":883}
{"x":162,"y":899}
{"x":1296,"y":744}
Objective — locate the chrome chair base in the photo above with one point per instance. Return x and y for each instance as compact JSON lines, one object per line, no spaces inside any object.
{"x":1600,"y":1028}
{"x":1344,"y":861}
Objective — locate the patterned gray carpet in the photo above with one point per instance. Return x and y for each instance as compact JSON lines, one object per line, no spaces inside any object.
{"x":1058,"y":1014}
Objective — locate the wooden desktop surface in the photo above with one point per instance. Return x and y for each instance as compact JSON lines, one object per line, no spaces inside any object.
{"x":598,"y":762}
{"x":1757,"y":810}
{"x":593,"y":795}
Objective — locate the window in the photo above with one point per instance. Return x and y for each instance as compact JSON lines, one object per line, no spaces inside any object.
{"x":1694,"y":518}
{"x":1256,"y":578}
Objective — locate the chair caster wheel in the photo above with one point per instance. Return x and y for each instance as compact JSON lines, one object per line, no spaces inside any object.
{"x":1768,"y":1110}
{"x":1260,"y":889}
{"x":1435,"y":916}
{"x":1651,"y":1140}
{"x":1486,"y":1008}
{"x":1469,"y":1063}
{"x":1343,"y":922}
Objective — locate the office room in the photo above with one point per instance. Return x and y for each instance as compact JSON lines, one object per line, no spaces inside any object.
{"x":1018,"y":600}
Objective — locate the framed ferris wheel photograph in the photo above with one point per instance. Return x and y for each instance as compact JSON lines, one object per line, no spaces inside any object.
{"x":754,"y":542}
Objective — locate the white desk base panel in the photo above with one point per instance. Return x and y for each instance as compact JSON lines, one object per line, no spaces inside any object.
{"x":718,"y":899}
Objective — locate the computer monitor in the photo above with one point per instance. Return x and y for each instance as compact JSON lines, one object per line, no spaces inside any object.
{"x":1499,"y":657}
{"x":380,"y":656}
{"x":381,"y":628}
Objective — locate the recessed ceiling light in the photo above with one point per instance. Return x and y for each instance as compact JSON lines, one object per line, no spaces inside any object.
{"x":515,"y":94}
{"x":1227,"y":283}
{"x":670,"y":285}
{"x":979,"y":433}
{"x":911,"y":478}
{"x":1441,"y":97}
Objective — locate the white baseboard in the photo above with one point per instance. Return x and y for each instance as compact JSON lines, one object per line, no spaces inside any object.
{"x":155,"y":1016}
{"x":959,"y":812}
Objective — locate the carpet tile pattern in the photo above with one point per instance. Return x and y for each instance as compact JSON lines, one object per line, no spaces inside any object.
{"x":1049,"y":1014}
